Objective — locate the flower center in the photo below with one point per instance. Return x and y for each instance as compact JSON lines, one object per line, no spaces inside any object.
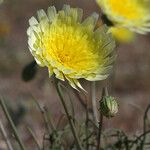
{"x":70,"y":47}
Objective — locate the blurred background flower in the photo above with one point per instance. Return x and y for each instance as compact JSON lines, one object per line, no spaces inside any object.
{"x":126,"y":18}
{"x":122,"y":35}
{"x":134,"y":15}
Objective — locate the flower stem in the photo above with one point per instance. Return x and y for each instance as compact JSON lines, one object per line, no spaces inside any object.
{"x":93,"y":98}
{"x":87,"y":126}
{"x":12,"y":124}
{"x":104,"y":93}
{"x":68,"y":116}
{"x":99,"y":132}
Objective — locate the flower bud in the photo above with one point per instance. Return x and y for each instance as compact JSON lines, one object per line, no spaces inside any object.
{"x":108,"y":106}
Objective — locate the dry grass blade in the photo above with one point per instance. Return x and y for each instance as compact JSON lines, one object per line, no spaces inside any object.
{"x":8,"y":143}
{"x":34,"y":138}
{"x":4,"y":108}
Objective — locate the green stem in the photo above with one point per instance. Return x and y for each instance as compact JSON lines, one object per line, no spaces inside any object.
{"x":87,"y":126}
{"x":100,"y":132}
{"x":70,"y":98}
{"x":104,"y":93}
{"x":68,"y":116}
{"x":12,"y":124}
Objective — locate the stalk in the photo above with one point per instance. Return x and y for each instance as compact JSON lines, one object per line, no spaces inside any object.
{"x":93,"y":98}
{"x":104,"y":93}
{"x":68,"y":116}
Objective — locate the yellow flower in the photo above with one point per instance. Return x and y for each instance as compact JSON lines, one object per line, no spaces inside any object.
{"x":70,"y":48}
{"x":122,"y":34}
{"x":132,"y":14}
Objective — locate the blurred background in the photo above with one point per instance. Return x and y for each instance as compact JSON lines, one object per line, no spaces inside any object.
{"x":130,"y":84}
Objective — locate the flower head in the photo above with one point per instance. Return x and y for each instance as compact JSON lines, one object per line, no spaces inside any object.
{"x":108,"y":106}
{"x":69,"y":48}
{"x":132,"y":14}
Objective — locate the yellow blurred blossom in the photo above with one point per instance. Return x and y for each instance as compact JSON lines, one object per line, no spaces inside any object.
{"x":132,"y":14}
{"x":122,"y":34}
{"x":69,"y":47}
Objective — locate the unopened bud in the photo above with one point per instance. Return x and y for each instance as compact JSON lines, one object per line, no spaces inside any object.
{"x":108,"y":106}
